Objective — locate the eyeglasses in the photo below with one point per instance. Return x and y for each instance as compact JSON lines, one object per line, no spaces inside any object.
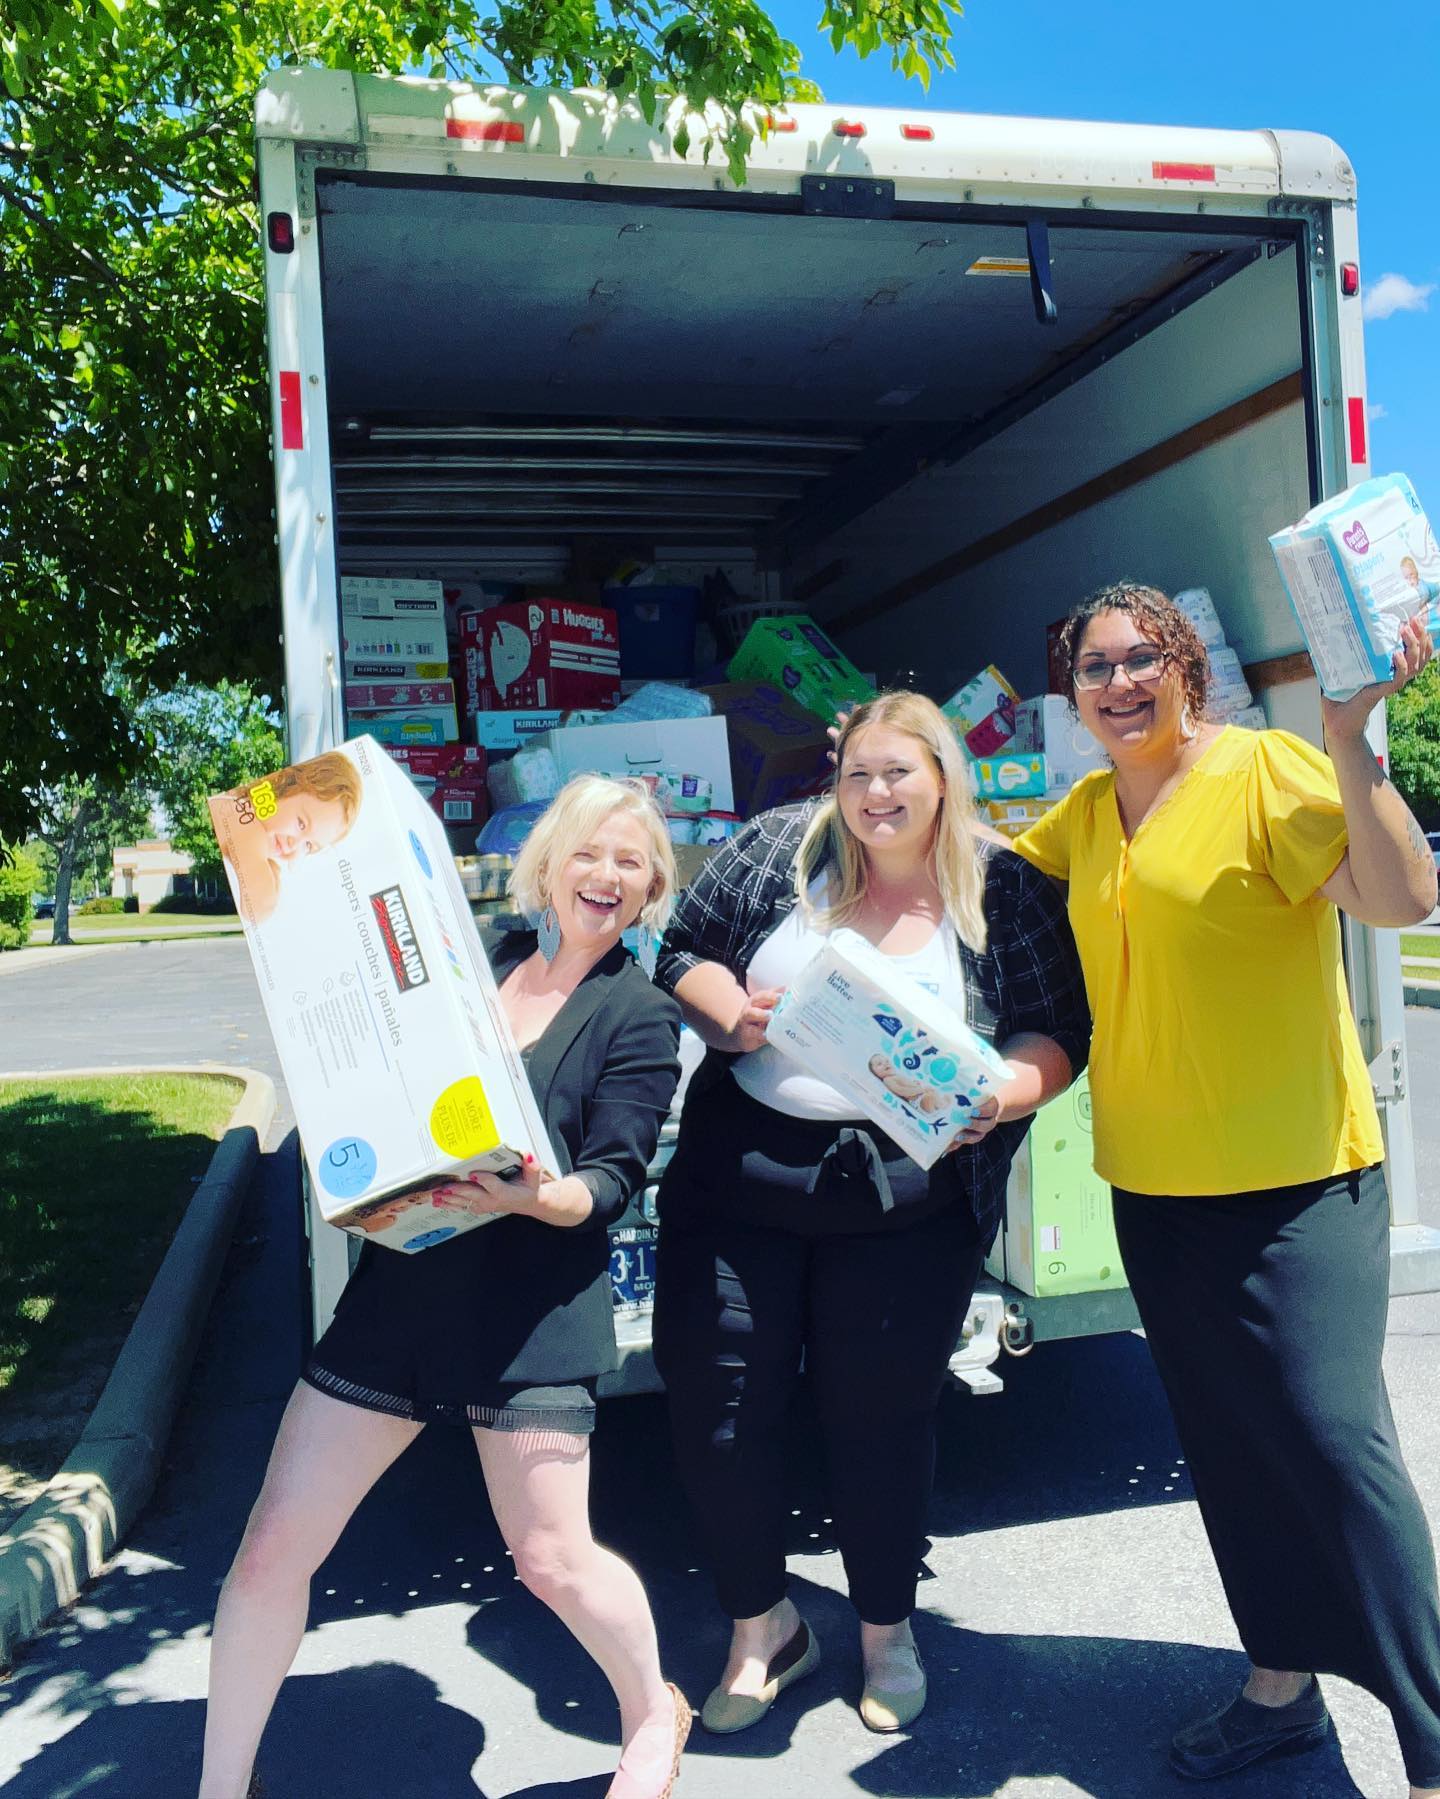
{"x":1139,"y":665}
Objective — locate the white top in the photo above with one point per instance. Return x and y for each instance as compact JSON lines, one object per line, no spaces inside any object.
{"x":776,"y":1079}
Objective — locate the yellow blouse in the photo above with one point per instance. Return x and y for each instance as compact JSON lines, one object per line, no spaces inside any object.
{"x":1225,"y":1055}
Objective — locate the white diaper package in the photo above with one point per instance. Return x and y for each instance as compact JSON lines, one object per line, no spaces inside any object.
{"x":530,"y":774}
{"x":909,"y":1062}
{"x":1199,"y":608}
{"x":1355,"y":568}
{"x":397,"y":1055}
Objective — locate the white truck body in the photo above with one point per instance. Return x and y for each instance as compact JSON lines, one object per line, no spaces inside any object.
{"x":510,"y":318}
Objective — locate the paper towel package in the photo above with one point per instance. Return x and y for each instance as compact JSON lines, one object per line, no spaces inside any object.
{"x":909,"y":1062}
{"x":397,"y":1056}
{"x":1355,"y":568}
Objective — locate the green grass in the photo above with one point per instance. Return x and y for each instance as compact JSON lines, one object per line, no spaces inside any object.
{"x":95,"y":1174}
{"x":1420,"y":946}
{"x":139,"y":926}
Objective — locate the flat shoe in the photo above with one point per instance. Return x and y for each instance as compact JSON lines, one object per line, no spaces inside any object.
{"x":1244,"y":1732}
{"x":885,"y":1708}
{"x":725,"y":1713}
{"x":623,"y":1783}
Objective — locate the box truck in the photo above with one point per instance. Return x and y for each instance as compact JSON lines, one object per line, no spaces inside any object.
{"x":928,"y":377}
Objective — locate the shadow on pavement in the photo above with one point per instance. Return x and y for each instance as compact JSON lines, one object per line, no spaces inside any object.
{"x":329,"y":1725}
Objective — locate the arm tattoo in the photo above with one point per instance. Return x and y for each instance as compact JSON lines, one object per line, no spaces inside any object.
{"x":1418,"y":841}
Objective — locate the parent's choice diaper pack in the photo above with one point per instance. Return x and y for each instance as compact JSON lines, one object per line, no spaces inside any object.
{"x":908,"y":1061}
{"x":398,"y":1059}
{"x":1355,"y":568}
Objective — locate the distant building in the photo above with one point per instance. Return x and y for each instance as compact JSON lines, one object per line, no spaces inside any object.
{"x":150,"y":871}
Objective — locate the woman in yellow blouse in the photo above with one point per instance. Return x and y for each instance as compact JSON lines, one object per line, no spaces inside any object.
{"x":1234,"y":1119}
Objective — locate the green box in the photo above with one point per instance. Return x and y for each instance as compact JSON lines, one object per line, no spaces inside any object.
{"x":1059,"y":1231}
{"x":796,"y":655}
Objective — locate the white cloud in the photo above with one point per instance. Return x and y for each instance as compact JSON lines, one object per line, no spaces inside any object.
{"x":1377,"y":411}
{"x":1395,"y":293}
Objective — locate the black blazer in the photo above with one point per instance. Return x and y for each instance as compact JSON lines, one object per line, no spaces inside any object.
{"x":527,"y":1302}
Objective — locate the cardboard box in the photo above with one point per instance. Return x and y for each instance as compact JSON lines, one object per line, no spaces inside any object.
{"x":396,"y":1054}
{"x":1049,"y":726}
{"x":1017,"y":776}
{"x":508,"y":730}
{"x":392,"y":597}
{"x":399,"y":712}
{"x":1012,"y":817}
{"x":796,"y":656}
{"x":388,"y":668}
{"x":983,"y":713}
{"x":370,"y":643}
{"x":908,"y":1062}
{"x":1355,"y":568}
{"x":538,"y":654}
{"x":777,"y":749}
{"x":451,"y":779}
{"x":1059,"y":1232}
{"x":662,"y":746}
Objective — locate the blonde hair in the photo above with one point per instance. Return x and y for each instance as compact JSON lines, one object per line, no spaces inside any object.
{"x":953,"y":858}
{"x":574,"y":815}
{"x":331,"y":776}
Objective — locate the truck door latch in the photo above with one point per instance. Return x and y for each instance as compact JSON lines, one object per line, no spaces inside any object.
{"x":1387,"y":1073}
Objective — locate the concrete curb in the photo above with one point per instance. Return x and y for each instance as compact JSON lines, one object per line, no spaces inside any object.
{"x":62,"y":1540}
{"x":1422,"y":993}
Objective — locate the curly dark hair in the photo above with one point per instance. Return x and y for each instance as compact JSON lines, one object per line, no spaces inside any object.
{"x":1162,"y":621}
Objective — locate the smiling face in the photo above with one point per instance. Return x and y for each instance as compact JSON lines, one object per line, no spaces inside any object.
{"x":301,"y":825}
{"x":890,"y":791}
{"x":1130,"y":718}
{"x":601,"y":886}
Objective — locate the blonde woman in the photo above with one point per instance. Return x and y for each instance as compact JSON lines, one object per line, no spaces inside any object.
{"x":501,"y":1331}
{"x":789,"y":1227}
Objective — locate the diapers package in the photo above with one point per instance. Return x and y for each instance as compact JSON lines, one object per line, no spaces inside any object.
{"x":909,"y":1062}
{"x":397,"y":1057}
{"x":1199,"y":608}
{"x":1355,"y":568}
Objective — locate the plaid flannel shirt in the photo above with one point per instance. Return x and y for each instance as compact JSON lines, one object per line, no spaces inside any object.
{"x":1027,"y":978}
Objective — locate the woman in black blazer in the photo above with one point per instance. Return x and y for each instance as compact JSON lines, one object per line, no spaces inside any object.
{"x":504,"y":1329}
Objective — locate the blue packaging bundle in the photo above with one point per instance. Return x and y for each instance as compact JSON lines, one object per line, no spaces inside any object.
{"x":1355,"y":568}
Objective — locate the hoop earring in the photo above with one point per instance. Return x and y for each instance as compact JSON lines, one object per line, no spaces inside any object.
{"x":549,"y":934}
{"x":1187,"y":722}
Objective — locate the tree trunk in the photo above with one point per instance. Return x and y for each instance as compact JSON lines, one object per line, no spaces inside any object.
{"x":66,"y":850}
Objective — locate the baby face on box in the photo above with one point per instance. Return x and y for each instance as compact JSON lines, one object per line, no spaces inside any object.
{"x":921,"y":1080}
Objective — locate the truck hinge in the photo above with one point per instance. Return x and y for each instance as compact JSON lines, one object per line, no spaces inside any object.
{"x":847,"y":197}
{"x":1387,"y":1073}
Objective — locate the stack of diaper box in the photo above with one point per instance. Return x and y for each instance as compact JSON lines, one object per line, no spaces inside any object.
{"x":1231,"y":700}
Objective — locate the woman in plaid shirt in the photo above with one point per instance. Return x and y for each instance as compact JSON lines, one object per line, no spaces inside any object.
{"x":787,"y":1227}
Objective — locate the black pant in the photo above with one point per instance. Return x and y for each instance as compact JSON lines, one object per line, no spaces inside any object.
{"x":877,"y":1316}
{"x":1265,"y":1313}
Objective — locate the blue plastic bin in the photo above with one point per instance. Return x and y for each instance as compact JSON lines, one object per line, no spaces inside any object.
{"x":657,"y":630}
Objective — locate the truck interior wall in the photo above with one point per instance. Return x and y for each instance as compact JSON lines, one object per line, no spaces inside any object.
{"x":1203,"y":522}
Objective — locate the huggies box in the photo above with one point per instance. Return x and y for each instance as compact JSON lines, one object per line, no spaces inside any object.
{"x":399,"y":1062}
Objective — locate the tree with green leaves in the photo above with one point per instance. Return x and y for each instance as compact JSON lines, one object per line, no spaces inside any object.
{"x":1413,"y":719}
{"x":208,"y":739}
{"x":135,"y":487}
{"x":80,"y":822}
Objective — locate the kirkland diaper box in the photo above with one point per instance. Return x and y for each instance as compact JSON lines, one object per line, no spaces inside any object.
{"x":397,"y":1057}
{"x":1355,"y":568}
{"x":909,"y":1062}
{"x":1058,"y":1235}
{"x":392,"y":624}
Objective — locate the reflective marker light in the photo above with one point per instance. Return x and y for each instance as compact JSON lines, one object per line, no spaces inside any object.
{"x":920,"y":133}
{"x":774,"y":124}
{"x":487,"y":131}
{"x":1349,"y":279}
{"x":280,"y":232}
{"x":849,"y":128}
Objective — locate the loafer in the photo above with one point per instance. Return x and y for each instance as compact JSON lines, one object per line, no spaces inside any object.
{"x":1243,"y":1732}
{"x":885,"y":1708}
{"x":725,"y":1713}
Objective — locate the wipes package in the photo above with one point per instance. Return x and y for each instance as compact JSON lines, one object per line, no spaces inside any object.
{"x":909,"y":1062}
{"x":397,"y":1056}
{"x":1355,"y":568}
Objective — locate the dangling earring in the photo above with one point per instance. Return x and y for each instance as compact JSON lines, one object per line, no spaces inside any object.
{"x":549,"y":933}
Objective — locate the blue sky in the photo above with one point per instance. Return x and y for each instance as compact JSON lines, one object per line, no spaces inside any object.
{"x":1300,"y":64}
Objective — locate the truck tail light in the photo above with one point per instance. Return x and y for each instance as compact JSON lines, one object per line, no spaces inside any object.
{"x":280,"y":232}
